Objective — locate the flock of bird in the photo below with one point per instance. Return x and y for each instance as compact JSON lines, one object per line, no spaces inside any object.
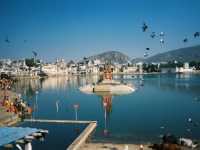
{"x":145,"y":28}
{"x":161,"y":36}
{"x":8,"y":41}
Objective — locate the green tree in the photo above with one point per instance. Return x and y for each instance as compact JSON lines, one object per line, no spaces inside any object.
{"x":31,"y":63}
{"x":195,"y":64}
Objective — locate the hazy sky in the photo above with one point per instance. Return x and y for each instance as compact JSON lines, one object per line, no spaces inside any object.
{"x":72,"y":29}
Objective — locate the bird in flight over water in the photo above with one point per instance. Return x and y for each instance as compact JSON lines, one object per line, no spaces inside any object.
{"x":162,"y":34}
{"x":196,"y":34}
{"x":7,"y":40}
{"x":162,"y":41}
{"x":153,"y":34}
{"x":185,"y":40}
{"x":147,"y":48}
{"x":146,"y":54}
{"x":144,"y":27}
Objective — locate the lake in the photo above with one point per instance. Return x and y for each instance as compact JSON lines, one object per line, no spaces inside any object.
{"x":162,"y":104}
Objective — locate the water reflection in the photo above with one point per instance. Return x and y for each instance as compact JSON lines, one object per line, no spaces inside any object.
{"x":35,"y":105}
{"x":185,"y":83}
{"x":55,"y":83}
{"x":107,"y":106}
{"x":57,"y":106}
{"x":185,"y":76}
{"x":178,"y":82}
{"x":161,"y":97}
{"x":106,"y":103}
{"x":68,"y":82}
{"x":27,"y":87}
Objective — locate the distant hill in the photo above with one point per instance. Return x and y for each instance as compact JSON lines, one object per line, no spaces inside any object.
{"x":136,"y":60}
{"x":112,"y":56}
{"x":183,"y":55}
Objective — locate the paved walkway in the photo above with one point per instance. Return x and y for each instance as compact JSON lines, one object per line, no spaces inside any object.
{"x":111,"y":146}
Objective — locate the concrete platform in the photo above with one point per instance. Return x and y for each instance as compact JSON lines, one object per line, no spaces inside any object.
{"x":111,"y":146}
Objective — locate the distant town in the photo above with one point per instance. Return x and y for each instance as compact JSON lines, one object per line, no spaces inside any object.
{"x":32,"y":67}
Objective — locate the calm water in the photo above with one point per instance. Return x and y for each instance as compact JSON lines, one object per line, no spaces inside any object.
{"x":60,"y":136}
{"x":162,"y":105}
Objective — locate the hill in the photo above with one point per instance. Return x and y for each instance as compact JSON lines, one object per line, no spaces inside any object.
{"x":186,"y":54}
{"x":183,"y":55}
{"x":111,"y":57}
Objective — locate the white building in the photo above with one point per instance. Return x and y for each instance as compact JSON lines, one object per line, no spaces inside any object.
{"x":130,"y":69}
{"x":54,"y":69}
{"x":14,"y":67}
{"x":97,"y":62}
{"x":49,"y":69}
{"x":140,"y":67}
{"x":117,"y":68}
{"x":92,"y":69}
{"x":82,"y":68}
{"x":72,"y":67}
{"x":185,"y":69}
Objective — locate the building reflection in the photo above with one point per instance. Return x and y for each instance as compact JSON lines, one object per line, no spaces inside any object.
{"x":184,"y":83}
{"x":27,"y":87}
{"x":185,"y":76}
{"x":107,"y":107}
{"x":68,"y":82}
{"x":55,"y":83}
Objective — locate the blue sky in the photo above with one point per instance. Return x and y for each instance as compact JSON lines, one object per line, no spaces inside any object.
{"x":72,"y":29}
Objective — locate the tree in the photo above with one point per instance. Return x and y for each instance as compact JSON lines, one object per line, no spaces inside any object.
{"x":1,"y":64}
{"x":31,"y":63}
{"x":195,"y":64}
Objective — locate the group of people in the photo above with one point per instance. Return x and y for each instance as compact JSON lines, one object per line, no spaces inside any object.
{"x":17,"y":105}
{"x":9,"y":105}
{"x":5,"y":84}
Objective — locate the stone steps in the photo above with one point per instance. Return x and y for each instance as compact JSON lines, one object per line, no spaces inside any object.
{"x":7,"y":118}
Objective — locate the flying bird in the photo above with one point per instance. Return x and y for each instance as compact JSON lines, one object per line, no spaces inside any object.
{"x":146,"y":54}
{"x":7,"y":40}
{"x":185,"y":40}
{"x":144,"y":27}
{"x":162,"y":41}
{"x":162,"y":34}
{"x":196,"y":34}
{"x":153,"y":34}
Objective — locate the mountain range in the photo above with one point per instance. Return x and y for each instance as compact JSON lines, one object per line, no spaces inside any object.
{"x":186,"y":54}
